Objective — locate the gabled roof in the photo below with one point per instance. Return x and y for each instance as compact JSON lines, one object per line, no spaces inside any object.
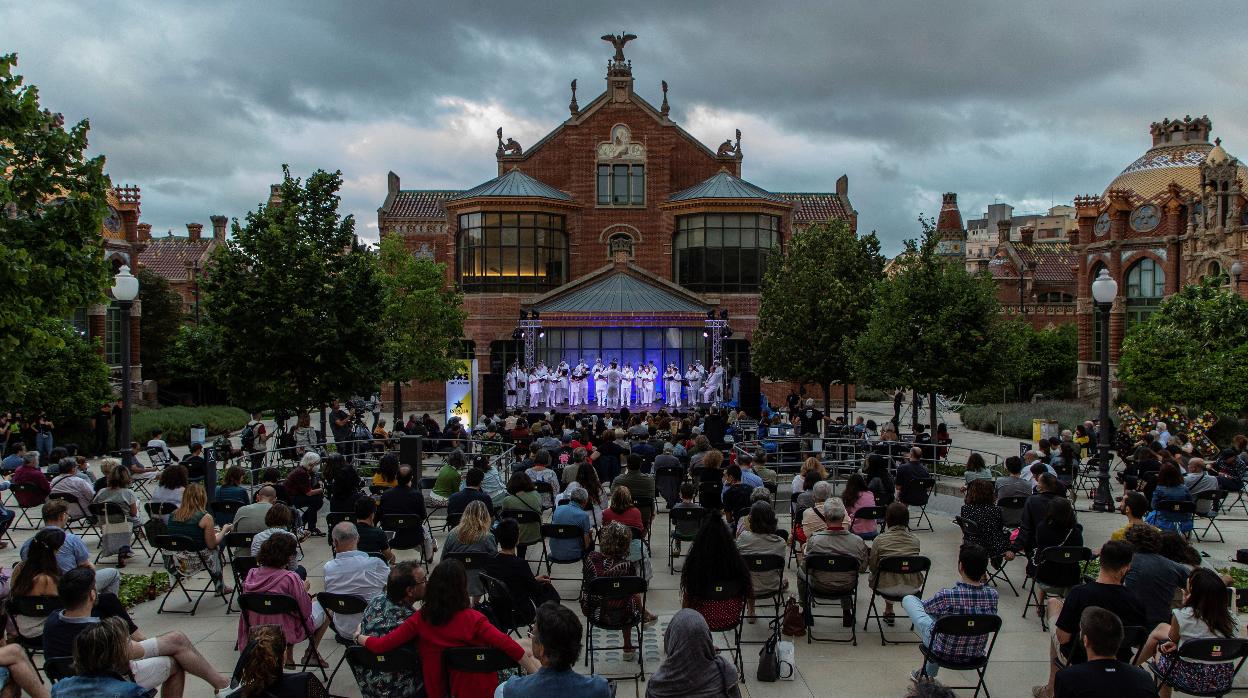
{"x":167,"y":256}
{"x":1054,"y":261}
{"x":815,"y":207}
{"x":722,"y":185}
{"x":513,"y":183}
{"x":421,"y":203}
{"x":620,"y":288}
{"x":1002,"y":268}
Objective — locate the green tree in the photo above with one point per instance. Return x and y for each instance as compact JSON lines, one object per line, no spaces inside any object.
{"x":815,"y":300}
{"x":1193,"y":351}
{"x":72,"y":380}
{"x":162,"y":317}
{"x":52,"y":200}
{"x":1034,"y":361}
{"x":291,"y":302}
{"x":422,"y":319}
{"x":934,"y":327}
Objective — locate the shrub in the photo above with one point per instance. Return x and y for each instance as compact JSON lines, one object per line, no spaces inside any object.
{"x":176,"y":422}
{"x":1016,"y":416}
{"x":869,"y":394}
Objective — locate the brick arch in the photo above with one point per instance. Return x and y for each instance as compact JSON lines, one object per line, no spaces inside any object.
{"x":1136,"y":259}
{"x":614,"y":228}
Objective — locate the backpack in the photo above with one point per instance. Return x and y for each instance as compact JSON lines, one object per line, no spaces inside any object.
{"x":248,"y":436}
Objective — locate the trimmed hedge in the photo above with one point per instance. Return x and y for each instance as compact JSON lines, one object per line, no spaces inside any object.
{"x":176,"y":422}
{"x":1016,"y":416}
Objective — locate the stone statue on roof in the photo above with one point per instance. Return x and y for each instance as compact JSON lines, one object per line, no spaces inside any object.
{"x":618,"y":41}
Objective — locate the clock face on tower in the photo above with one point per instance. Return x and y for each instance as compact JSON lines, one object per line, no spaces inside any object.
{"x":1102,"y":224}
{"x":1145,"y":218}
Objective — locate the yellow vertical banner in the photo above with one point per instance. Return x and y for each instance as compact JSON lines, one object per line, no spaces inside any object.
{"x":459,"y":392}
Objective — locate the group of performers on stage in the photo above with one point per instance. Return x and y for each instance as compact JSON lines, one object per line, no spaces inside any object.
{"x":614,"y":385}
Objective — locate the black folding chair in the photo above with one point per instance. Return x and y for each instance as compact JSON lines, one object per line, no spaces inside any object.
{"x":171,"y":545}
{"x":674,"y":537}
{"x":1215,"y":499}
{"x":112,"y":513}
{"x":158,"y":510}
{"x":524,"y":516}
{"x":278,"y":605}
{"x":1208,"y":651}
{"x":971,"y":531}
{"x":1059,"y":566}
{"x":473,"y":660}
{"x":409,"y":533}
{"x":929,"y":486}
{"x":158,"y":458}
{"x":402,"y":660}
{"x":667,"y":479}
{"x":843,"y":564}
{"x":608,"y":591}
{"x":709,"y":495}
{"x":503,"y":604}
{"x":32,"y":607}
{"x":723,"y":591}
{"x":226,"y":507}
{"x":1182,"y":515}
{"x":963,"y":626}
{"x":895,"y":564}
{"x":58,"y":668}
{"x":765,"y":565}
{"x":240,"y":565}
{"x":561,"y":532}
{"x":341,"y":604}
{"x":334,"y":518}
{"x":1012,"y":510}
{"x":866,"y":514}
{"x":547,"y":491}
{"x":23,"y":512}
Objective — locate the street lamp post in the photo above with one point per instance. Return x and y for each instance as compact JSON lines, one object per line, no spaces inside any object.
{"x":1236,"y":270}
{"x":1104,"y":290}
{"x":125,"y":290}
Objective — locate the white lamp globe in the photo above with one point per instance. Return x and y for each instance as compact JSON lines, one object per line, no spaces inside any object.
{"x":125,"y":285}
{"x":1104,"y":289}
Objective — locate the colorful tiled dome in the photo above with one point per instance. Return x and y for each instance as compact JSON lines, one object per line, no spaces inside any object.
{"x":1179,"y":149}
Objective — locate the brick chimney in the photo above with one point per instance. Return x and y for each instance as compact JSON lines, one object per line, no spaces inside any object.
{"x":1003,"y":231}
{"x":194,"y":231}
{"x":1028,"y":234}
{"x":145,"y":231}
{"x":218,"y":227}
{"x":275,"y":194}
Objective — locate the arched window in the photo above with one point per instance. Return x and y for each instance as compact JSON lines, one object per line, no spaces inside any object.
{"x":519,"y":252}
{"x":1146,"y":286}
{"x":727,"y":253}
{"x":1214,"y":271}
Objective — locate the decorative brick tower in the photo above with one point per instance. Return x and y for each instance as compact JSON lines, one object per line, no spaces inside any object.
{"x":949,"y":229}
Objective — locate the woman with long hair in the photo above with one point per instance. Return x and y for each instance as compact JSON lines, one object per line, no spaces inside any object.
{"x":611,"y":560}
{"x":446,"y":619}
{"x":170,"y":485}
{"x":980,"y":508}
{"x":472,"y":535}
{"x":117,"y":532}
{"x":857,"y":495}
{"x":387,"y":472}
{"x":522,"y":496}
{"x":809,"y":465}
{"x":713,"y":560}
{"x":879,"y":480}
{"x":193,"y":521}
{"x":1170,"y":490}
{"x":976,"y":469}
{"x":343,"y":483}
{"x":100,"y":660}
{"x":259,"y":673}
{"x":587,"y":479}
{"x":37,"y":575}
{"x":692,"y":668}
{"x":1065,"y":463}
{"x":1058,"y":528}
{"x":270,"y":576}
{"x":1205,"y":615}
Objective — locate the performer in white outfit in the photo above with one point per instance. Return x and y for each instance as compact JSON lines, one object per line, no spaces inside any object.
{"x":511,"y":386}
{"x":671,"y":386}
{"x":647,"y":384}
{"x":713,"y":384}
{"x":613,"y":385}
{"x":626,"y":385}
{"x":694,"y":379}
{"x":564,"y":373}
{"x":580,"y":384}
{"x":600,"y":383}
{"x":535,"y":388}
{"x":549,"y":384}
{"x":639,"y":382}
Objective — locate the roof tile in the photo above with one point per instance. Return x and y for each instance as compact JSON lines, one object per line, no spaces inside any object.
{"x":514,"y":183}
{"x":167,"y":256}
{"x":815,"y":207}
{"x":722,"y":185}
{"x":421,"y":203}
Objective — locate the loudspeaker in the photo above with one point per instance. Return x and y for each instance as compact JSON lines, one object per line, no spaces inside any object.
{"x":410,"y":451}
{"x":493,"y":393}
{"x":751,"y":395}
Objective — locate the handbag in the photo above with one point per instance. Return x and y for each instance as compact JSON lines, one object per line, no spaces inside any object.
{"x":794,"y":622}
{"x":768,"y":660}
{"x":786,"y":656}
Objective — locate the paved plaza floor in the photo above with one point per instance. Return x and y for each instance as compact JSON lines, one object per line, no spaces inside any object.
{"x":1019,"y":661}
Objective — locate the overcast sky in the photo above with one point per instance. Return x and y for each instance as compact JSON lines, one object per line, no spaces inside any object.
{"x":1026,"y":103}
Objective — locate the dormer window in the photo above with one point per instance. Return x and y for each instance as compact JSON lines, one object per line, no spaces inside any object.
{"x":621,"y":170}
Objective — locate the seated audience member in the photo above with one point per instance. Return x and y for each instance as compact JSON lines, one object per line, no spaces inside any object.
{"x":1058,"y":528}
{"x":472,"y":535}
{"x":271,"y":577}
{"x":969,"y":596}
{"x":342,"y":483}
{"x":1102,"y":674}
{"x":404,"y":499}
{"x":231,"y":490}
{"x":527,"y":591}
{"x":70,"y":551}
{"x":895,"y":541}
{"x":910,"y":474}
{"x":692,"y":667}
{"x":118,"y":535}
{"x":1105,"y":592}
{"x":472,"y":492}
{"x":540,"y":472}
{"x":1035,"y":511}
{"x":259,"y":671}
{"x":37,"y":575}
{"x":68,"y":483}
{"x":611,"y":560}
{"x":979,"y":508}
{"x":250,"y":518}
{"x":352,"y":572}
{"x":1134,"y":506}
{"x":522,"y":496}
{"x":303,"y":492}
{"x":556,"y":643}
{"x":835,"y":539}
{"x":371,"y":538}
{"x":572,"y":513}
{"x":1153,"y":579}
{"x":1012,"y":483}
{"x":1197,"y":481}
{"x":976,"y":469}
{"x":1169,"y":490}
{"x":404,"y":588}
{"x":735,"y":494}
{"x":195,"y":463}
{"x":621,"y":509}
{"x":1204,"y":616}
{"x":17,"y":672}
{"x":100,"y":662}
{"x":856,"y":495}
{"x":640,"y":486}
{"x":278,"y":522}
{"x":810,"y":465}
{"x":28,"y":472}
{"x":170,"y":485}
{"x":879,"y":480}
{"x":387,"y":472}
{"x":158,"y":662}
{"x":445,"y":620}
{"x":813,"y":520}
{"x":760,"y":538}
{"x":193,"y":521}
{"x":448,"y":478}
{"x":714,"y":560}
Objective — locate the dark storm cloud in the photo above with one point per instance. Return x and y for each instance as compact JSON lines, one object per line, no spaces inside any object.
{"x":201,"y":103}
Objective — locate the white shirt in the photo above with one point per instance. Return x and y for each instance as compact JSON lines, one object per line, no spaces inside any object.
{"x":354,"y":573}
{"x":160,"y":443}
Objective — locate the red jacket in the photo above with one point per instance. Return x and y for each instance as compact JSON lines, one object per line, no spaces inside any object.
{"x":32,"y":475}
{"x":468,"y":628}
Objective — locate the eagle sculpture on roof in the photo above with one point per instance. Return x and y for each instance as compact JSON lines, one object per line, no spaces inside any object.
{"x":618,"y":41}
